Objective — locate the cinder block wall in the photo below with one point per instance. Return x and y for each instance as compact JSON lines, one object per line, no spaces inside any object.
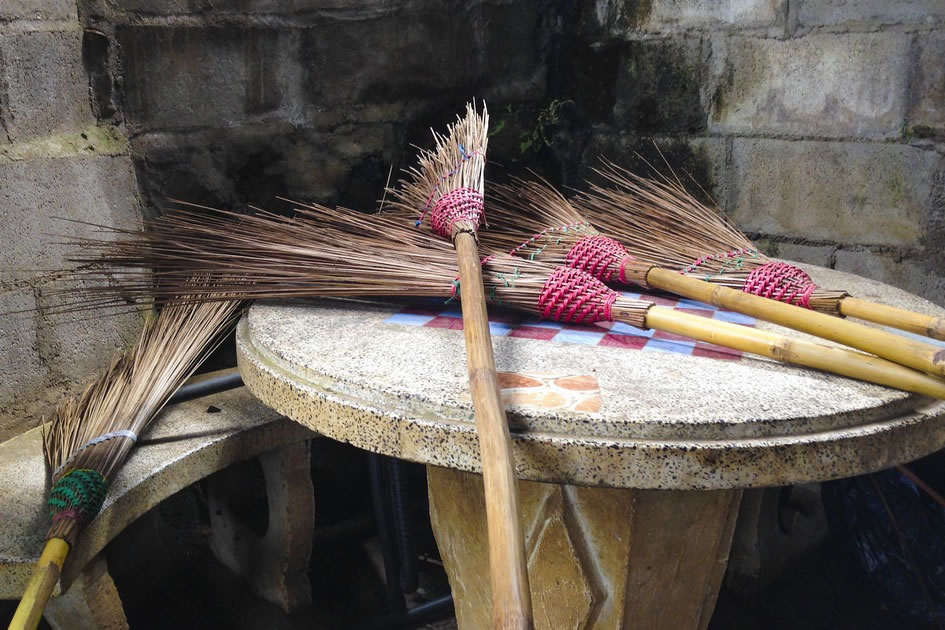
{"x":55,"y":161}
{"x":817,"y":125}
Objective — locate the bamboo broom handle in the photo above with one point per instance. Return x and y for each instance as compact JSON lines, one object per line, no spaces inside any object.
{"x":795,"y":351}
{"x":511,"y":599}
{"x":925,"y":325}
{"x":41,"y":584}
{"x":887,"y":345}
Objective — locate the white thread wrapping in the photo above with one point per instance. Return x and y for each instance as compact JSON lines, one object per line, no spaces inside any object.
{"x":123,"y":433}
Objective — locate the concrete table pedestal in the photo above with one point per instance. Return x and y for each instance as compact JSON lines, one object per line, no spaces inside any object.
{"x":597,"y":557}
{"x":632,"y":460}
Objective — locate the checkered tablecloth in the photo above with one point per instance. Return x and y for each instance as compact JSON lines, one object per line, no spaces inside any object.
{"x":504,"y":323}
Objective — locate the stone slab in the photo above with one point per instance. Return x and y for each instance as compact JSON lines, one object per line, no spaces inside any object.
{"x":847,"y":192}
{"x":336,"y":367}
{"x":185,"y":445}
{"x":44,"y":89}
{"x":816,"y":85}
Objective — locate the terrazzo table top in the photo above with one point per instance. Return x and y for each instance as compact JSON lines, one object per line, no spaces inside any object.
{"x":586,"y":405}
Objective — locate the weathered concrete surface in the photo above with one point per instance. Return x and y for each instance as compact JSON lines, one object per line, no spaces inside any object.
{"x":812,"y":86}
{"x":834,"y":191}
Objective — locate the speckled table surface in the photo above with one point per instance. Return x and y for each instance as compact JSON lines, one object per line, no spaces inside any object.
{"x":581,"y":412}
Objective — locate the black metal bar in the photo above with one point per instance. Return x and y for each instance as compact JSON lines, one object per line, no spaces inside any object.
{"x":382,"y":512}
{"x":212,"y":385}
{"x":403,"y":527}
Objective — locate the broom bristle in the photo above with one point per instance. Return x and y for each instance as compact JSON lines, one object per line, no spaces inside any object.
{"x":93,"y":432}
{"x":457,"y":162}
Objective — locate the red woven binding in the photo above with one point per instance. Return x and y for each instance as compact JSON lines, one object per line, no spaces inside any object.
{"x":782,"y":282}
{"x":459,"y":204}
{"x":572,"y":296}
{"x":600,"y":256}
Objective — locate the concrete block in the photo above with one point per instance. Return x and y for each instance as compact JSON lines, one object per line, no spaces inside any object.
{"x":33,"y":10}
{"x":231,"y":167}
{"x":395,"y":58}
{"x":868,"y":193}
{"x":99,"y":190}
{"x":658,"y":86}
{"x":926,"y":116}
{"x":616,"y":19}
{"x":43,"y":88}
{"x":829,"y":85}
{"x":873,"y":12}
{"x":189,"y":77}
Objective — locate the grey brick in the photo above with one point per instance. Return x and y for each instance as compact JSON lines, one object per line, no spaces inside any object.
{"x":97,"y":190}
{"x":850,"y":12}
{"x":833,"y":191}
{"x":926,"y":115}
{"x":43,"y":88}
{"x":830,"y":85}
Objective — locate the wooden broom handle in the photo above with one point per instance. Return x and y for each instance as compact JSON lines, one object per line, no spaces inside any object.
{"x":795,"y":351}
{"x":926,"y":325}
{"x":41,"y":585}
{"x":511,"y":600}
{"x":887,"y":345}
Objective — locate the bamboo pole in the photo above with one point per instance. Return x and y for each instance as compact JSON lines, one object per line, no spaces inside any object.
{"x":511,"y":601}
{"x":41,"y":585}
{"x":917,"y":323}
{"x":914,"y":354}
{"x":795,"y":351}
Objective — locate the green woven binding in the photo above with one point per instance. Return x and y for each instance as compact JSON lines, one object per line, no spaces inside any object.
{"x":78,"y":494}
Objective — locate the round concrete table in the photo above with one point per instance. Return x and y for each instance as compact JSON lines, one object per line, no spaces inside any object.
{"x":633,"y":448}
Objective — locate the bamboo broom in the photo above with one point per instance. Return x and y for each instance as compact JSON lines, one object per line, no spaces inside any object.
{"x":336,"y":253}
{"x":561,"y":234}
{"x":93,"y":432}
{"x":448,"y":185}
{"x":660,"y":222}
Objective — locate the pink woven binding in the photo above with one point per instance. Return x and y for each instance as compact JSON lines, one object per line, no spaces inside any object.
{"x":572,"y":296}
{"x":459,"y":204}
{"x":782,"y":282}
{"x":600,"y":256}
